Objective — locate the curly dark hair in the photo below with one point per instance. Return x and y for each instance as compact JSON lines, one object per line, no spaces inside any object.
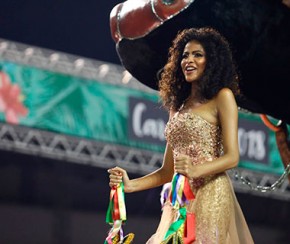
{"x":220,"y":70}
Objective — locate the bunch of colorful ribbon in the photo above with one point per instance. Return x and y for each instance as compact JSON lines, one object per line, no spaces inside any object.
{"x":184,"y":226}
{"x":116,"y":215}
{"x":181,"y":192}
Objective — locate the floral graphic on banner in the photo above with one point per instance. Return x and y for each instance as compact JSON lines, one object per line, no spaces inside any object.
{"x":11,"y":100}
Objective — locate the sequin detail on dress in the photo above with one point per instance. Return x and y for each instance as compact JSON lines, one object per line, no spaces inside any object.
{"x":219,"y":219}
{"x":190,"y":134}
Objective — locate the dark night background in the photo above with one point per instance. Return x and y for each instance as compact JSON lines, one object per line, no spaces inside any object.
{"x":49,"y":201}
{"x":76,"y":27}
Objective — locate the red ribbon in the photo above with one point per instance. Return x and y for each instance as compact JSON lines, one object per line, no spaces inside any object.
{"x":187,"y":190}
{"x":189,"y":229}
{"x":116,"y":213}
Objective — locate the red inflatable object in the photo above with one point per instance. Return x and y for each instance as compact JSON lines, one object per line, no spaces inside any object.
{"x":134,"y":19}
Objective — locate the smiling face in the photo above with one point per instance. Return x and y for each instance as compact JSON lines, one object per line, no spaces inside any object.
{"x":193,"y":61}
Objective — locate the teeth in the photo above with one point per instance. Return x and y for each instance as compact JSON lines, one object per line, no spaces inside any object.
{"x":190,"y":68}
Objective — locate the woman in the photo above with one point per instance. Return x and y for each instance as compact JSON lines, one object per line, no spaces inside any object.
{"x":198,"y":86}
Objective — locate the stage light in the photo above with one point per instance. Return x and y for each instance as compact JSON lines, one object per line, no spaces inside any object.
{"x":103,"y":70}
{"x":29,"y":51}
{"x":79,"y":63}
{"x":3,"y":45}
{"x":54,"y":57}
{"x":126,"y":77}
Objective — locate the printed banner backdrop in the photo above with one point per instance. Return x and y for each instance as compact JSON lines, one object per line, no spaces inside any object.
{"x":68,"y":104}
{"x":88,"y":108}
{"x":258,"y":148}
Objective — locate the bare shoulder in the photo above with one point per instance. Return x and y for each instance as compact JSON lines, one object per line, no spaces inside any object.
{"x":226,"y":102}
{"x":225,"y":94}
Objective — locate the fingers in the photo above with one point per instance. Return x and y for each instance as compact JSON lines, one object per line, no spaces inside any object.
{"x":117,"y":171}
{"x":181,"y":157}
{"x":182,"y":169}
{"x":116,"y":176}
{"x":181,"y":164}
{"x":180,"y":161}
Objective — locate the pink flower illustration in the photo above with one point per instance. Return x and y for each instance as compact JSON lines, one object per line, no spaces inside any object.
{"x":10,"y":100}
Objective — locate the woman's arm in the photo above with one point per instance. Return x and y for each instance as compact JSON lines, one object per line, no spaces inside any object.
{"x":157,"y":178}
{"x":228,"y":115}
{"x":227,"y":112}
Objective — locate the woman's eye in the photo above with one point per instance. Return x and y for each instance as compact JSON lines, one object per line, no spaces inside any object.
{"x":198,"y":55}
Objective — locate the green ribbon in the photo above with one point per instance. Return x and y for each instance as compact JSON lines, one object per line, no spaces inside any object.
{"x":109,"y":215}
{"x":177,"y":224}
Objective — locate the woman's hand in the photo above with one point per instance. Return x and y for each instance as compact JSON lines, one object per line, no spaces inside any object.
{"x":117,"y":175}
{"x":183,"y":165}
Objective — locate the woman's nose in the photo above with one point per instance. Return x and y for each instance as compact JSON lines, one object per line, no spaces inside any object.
{"x":190,"y":59}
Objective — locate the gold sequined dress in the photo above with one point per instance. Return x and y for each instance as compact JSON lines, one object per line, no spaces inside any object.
{"x":219,"y":219}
